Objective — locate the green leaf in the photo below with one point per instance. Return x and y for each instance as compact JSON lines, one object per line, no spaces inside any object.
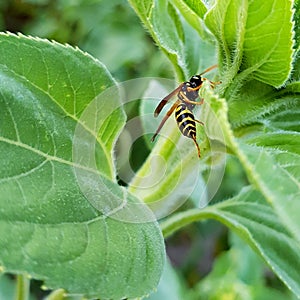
{"x":178,"y":41}
{"x":297,"y":20}
{"x":253,"y":43}
{"x":283,"y":190}
{"x":254,"y":220}
{"x":56,"y":163}
{"x":161,"y":20}
{"x":193,"y":11}
{"x":275,"y":150}
{"x":261,"y":102}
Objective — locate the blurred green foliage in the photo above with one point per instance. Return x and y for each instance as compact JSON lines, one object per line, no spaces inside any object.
{"x":109,"y":30}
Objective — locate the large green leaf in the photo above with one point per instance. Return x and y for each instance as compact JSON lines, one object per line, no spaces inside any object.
{"x":54,"y":157}
{"x":254,"y":38}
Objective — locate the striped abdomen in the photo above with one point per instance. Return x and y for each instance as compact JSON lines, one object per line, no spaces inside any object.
{"x":186,"y":121}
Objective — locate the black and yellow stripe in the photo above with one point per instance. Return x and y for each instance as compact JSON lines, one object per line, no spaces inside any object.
{"x":186,"y":121}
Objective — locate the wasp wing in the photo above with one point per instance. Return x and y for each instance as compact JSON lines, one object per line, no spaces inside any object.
{"x":165,"y":100}
{"x":165,"y":118}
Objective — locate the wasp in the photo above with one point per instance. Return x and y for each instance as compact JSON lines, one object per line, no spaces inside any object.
{"x":187,"y":94}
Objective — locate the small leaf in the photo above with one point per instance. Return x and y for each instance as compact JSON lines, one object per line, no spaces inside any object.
{"x":54,"y":156}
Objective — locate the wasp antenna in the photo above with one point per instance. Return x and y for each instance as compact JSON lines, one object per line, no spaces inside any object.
{"x":208,"y":69}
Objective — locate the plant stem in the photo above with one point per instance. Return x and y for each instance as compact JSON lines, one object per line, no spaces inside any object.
{"x":182,"y":219}
{"x":23,"y":284}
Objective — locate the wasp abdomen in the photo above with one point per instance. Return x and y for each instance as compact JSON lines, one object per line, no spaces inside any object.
{"x":186,"y":121}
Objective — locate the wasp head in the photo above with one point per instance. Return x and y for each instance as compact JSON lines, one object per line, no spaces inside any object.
{"x":195,"y":81}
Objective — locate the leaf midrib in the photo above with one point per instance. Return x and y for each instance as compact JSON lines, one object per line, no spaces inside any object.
{"x":49,"y":157}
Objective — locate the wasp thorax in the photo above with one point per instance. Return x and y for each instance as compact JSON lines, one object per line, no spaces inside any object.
{"x":185,"y":87}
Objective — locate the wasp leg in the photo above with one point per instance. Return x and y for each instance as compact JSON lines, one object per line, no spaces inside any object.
{"x":212,"y":83}
{"x":168,"y":114}
{"x":190,"y":89}
{"x":187,"y":100}
{"x":198,"y":148}
{"x":194,"y":102}
{"x":199,"y":122}
{"x":194,"y":138}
